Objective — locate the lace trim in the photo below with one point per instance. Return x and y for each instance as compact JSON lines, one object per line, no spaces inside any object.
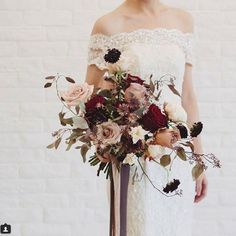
{"x":99,"y":43}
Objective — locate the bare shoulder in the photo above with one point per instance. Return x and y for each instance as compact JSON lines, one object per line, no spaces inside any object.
{"x":184,"y":19}
{"x":105,"y":23}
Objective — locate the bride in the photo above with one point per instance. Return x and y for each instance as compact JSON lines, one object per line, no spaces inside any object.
{"x":162,"y":38}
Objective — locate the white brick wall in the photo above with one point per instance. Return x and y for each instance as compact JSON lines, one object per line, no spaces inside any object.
{"x":44,"y":192}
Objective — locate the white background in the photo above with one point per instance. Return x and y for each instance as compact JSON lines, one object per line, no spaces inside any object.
{"x":52,"y":193}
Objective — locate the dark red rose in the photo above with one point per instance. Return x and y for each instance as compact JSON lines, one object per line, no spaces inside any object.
{"x":94,"y":102}
{"x":153,"y":119}
{"x":133,"y":79}
{"x":96,"y":116}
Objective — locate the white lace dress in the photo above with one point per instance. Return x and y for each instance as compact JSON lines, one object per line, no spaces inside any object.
{"x":159,"y":51}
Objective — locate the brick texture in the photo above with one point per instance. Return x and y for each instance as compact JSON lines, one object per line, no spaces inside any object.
{"x":45,"y":192}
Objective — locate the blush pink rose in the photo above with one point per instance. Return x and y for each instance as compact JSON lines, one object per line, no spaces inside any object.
{"x":108,"y":133}
{"x":77,"y":93}
{"x":136,"y":91}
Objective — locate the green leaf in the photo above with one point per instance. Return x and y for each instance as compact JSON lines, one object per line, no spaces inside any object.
{"x":84,"y":149}
{"x":70,"y":80}
{"x":189,"y":144}
{"x":71,"y":142}
{"x":61,"y":118}
{"x":47,"y":85}
{"x":52,"y":145}
{"x":50,"y":77}
{"x":57,"y":142}
{"x":152,"y":86}
{"x":173,"y":89}
{"x":158,"y":95}
{"x":181,"y":153}
{"x":165,"y":160}
{"x":197,"y":171}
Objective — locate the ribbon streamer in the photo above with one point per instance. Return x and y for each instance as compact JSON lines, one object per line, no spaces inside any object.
{"x":118,"y":207}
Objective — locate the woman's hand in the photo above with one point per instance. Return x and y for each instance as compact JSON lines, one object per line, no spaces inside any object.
{"x":201,"y":188}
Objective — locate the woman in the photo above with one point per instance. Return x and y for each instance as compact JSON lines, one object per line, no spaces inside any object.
{"x":162,"y":38}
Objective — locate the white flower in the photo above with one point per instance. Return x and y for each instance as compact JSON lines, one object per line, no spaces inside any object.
{"x":130,"y":159}
{"x":175,"y":112}
{"x":156,"y":151}
{"x":137,"y":133}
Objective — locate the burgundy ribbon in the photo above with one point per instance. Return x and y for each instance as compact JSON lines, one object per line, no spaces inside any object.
{"x":112,"y":206}
{"x":124,"y":180}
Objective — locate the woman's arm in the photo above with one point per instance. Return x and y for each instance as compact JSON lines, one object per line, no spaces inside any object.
{"x":94,"y":75}
{"x":189,"y":102}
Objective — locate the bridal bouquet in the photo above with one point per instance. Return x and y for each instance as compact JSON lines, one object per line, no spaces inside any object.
{"x":128,"y":123}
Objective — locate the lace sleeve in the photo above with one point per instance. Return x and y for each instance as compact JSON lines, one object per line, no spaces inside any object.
{"x":190,"y":49}
{"x":96,"y":50}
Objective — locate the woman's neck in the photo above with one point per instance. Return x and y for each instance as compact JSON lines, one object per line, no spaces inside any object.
{"x":145,"y":6}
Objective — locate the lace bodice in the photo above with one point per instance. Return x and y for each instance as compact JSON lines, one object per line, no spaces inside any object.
{"x":160,"y":51}
{"x":99,"y":43}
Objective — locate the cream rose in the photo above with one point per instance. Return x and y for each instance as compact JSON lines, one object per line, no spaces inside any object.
{"x":108,"y":133}
{"x":77,"y":93}
{"x":135,"y":90}
{"x":130,"y":159}
{"x":175,"y":112}
{"x":156,"y":151}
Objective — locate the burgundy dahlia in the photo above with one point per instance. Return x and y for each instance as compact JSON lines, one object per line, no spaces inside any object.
{"x":183,"y":131}
{"x":96,"y":116}
{"x":196,"y":129}
{"x":170,"y":187}
{"x":94,"y":102}
{"x":153,"y":119}
{"x":112,"y":56}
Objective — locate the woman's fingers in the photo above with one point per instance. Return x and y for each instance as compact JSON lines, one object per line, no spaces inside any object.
{"x":198,"y":187}
{"x":202,"y":190}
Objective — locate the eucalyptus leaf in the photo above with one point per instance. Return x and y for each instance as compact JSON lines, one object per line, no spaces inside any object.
{"x":52,"y":145}
{"x":57,"y":142}
{"x":165,"y":160}
{"x":189,"y":144}
{"x":152,"y":86}
{"x":71,"y":142}
{"x":47,"y":85}
{"x":50,"y":77}
{"x":68,"y":121}
{"x":197,"y":171}
{"x":158,"y":95}
{"x":61,"y":118}
{"x":69,"y":79}
{"x":84,"y":149}
{"x":173,"y":89}
{"x":181,"y":153}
